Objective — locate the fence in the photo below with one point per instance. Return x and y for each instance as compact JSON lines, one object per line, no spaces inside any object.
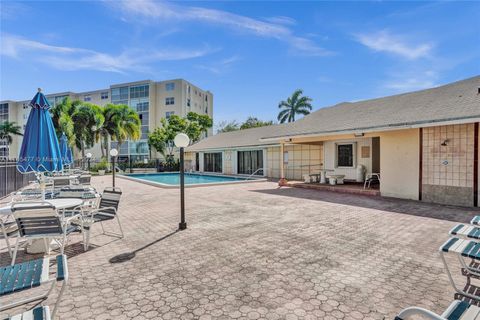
{"x":11,"y":179}
{"x":125,"y":164}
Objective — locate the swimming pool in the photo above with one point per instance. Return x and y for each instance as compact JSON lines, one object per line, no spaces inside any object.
{"x":172,"y":179}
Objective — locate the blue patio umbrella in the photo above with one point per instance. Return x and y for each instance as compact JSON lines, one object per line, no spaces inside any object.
{"x":40,"y":151}
{"x":65,"y":150}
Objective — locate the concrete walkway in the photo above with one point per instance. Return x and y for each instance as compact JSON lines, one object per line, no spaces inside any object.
{"x":254,"y":251}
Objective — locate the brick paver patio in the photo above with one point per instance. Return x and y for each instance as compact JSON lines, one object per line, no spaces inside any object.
{"x":253,"y":251}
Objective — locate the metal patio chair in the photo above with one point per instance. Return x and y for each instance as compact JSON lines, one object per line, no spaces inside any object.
{"x":30,"y":274}
{"x":458,"y":310}
{"x":40,"y":220}
{"x":107,"y":210}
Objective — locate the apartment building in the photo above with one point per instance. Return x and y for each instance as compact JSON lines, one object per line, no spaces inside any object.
{"x":152,"y":100}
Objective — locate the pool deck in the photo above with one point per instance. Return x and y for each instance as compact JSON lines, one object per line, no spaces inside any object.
{"x":256,"y":251}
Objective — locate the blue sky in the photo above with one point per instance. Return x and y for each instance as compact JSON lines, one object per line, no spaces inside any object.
{"x":250,"y":55}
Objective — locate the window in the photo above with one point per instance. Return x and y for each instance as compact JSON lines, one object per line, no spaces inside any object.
{"x":120,"y":95}
{"x":139,"y":91}
{"x":169,"y":101}
{"x":3,"y":112}
{"x":346,"y":155}
{"x":59,"y":99}
{"x":87,"y":97}
{"x":170,"y":86}
{"x":169,"y":113}
{"x":250,"y":161}
{"x":212,"y":162}
{"x":104,"y":95}
{"x":188,"y":103}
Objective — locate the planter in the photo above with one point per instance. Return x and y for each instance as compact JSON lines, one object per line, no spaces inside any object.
{"x":101,"y":172}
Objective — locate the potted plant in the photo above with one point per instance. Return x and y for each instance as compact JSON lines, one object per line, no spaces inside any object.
{"x":101,"y":167}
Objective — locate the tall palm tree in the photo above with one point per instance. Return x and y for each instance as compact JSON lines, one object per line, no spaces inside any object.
{"x":296,"y":104}
{"x":128,"y":124}
{"x":8,"y":130}
{"x":86,"y":119}
{"x":109,"y":127}
{"x":62,"y":118}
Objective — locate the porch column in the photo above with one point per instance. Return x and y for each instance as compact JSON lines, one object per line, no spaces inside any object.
{"x":282,"y":181}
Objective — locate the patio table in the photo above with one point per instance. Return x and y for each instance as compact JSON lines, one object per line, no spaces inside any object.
{"x":38,"y":246}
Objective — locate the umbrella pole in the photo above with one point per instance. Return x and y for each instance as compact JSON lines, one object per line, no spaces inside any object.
{"x":42,"y":185}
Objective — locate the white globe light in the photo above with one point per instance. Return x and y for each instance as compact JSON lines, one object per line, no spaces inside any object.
{"x":89,"y":155}
{"x":114,"y":152}
{"x":181,"y":140}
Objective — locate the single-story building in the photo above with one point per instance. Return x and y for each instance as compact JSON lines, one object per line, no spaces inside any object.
{"x":423,"y":144}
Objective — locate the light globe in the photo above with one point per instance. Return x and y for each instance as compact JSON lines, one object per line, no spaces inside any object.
{"x":181,"y":140}
{"x":114,"y":152}
{"x":89,"y":155}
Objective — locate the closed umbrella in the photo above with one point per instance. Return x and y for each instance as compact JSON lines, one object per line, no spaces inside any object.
{"x":40,"y":151}
{"x":65,"y":151}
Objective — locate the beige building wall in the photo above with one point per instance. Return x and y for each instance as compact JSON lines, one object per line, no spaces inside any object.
{"x":399,"y":163}
{"x":359,"y":159}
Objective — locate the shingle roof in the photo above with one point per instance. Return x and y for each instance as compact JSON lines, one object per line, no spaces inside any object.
{"x":455,"y":101}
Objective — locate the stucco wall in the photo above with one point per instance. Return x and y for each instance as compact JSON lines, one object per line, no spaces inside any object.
{"x":399,"y":163}
{"x":350,"y":173}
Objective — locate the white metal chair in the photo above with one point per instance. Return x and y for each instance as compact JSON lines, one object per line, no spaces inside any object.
{"x":40,"y":220}
{"x":458,"y":310}
{"x":107,"y":210}
{"x":30,"y":274}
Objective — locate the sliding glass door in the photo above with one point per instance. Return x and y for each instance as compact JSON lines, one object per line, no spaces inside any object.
{"x":250,"y":161}
{"x":212,"y":162}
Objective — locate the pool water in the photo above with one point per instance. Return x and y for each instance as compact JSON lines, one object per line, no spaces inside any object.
{"x":173,"y":179}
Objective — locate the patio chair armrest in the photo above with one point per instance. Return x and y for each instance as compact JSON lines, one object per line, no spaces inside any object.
{"x":412,"y":311}
{"x":62,"y":268}
{"x":92,"y":212}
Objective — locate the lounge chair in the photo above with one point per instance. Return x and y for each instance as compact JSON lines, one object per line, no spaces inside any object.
{"x":38,"y":313}
{"x":107,"y":210}
{"x":465,"y":231}
{"x":40,"y":220}
{"x":462,"y":248}
{"x":371,"y":178}
{"x":458,"y":310}
{"x":31,"y":274}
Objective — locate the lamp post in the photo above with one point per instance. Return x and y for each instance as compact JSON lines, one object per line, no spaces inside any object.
{"x":181,"y":141}
{"x":89,"y":156}
{"x":114,"y":154}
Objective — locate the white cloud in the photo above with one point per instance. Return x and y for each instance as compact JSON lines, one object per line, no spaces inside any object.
{"x":411,"y":82}
{"x":220,"y":66}
{"x":384,"y":41}
{"x":160,"y":10}
{"x":70,"y":58}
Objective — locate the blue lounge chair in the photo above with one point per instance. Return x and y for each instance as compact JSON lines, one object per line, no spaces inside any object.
{"x":458,"y":310}
{"x":30,"y":274}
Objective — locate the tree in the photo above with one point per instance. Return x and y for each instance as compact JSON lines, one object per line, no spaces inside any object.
{"x":7,"y":129}
{"x":161,"y":139}
{"x":128,"y":124}
{"x":296,"y":104}
{"x":86,"y":119}
{"x":62,"y":118}
{"x":253,"y":122}
{"x":225,"y":126}
{"x":120,"y":123}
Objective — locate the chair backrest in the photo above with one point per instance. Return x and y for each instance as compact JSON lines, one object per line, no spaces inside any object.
{"x":62,"y":181}
{"x":110,"y":198}
{"x":38,"y":218}
{"x":85,"y":179}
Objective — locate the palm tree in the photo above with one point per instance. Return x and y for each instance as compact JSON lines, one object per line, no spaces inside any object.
{"x":7,"y":130}
{"x":128,"y":124}
{"x":109,"y":127}
{"x":62,"y":118}
{"x":86,"y":119}
{"x":296,"y":104}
